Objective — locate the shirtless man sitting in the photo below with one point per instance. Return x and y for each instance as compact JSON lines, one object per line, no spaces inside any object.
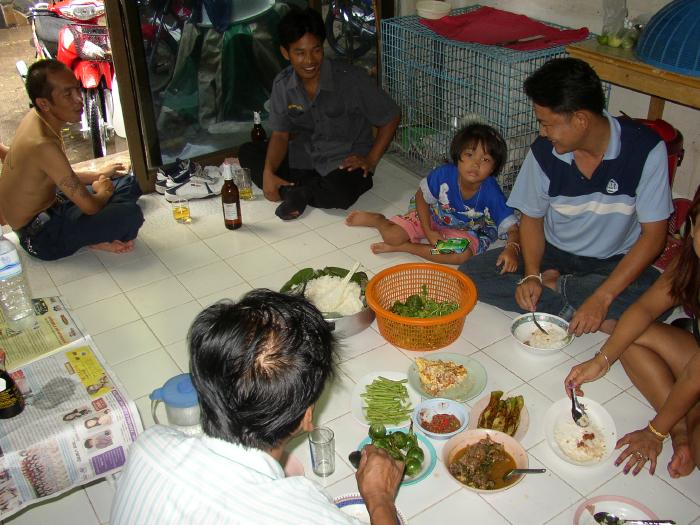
{"x":52,"y":224}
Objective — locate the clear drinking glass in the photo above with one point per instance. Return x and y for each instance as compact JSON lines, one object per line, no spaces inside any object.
{"x":241,"y":177}
{"x":181,"y":211}
{"x":322,"y":446}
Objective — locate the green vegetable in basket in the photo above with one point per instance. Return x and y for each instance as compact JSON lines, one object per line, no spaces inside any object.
{"x":423,"y":306}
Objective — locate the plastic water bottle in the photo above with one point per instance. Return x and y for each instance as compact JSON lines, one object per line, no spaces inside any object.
{"x":15,"y":299}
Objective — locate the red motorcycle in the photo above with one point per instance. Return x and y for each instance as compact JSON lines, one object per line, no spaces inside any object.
{"x":69,"y":31}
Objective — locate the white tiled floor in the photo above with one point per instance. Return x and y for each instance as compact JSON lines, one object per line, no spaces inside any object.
{"x":138,"y":306}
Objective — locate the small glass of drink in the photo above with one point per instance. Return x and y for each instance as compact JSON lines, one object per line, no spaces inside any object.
{"x":241,"y":177}
{"x":322,"y":446}
{"x":181,"y":211}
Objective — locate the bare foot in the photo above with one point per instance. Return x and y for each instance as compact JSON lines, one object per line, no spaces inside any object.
{"x":114,"y":246}
{"x":549,"y":278}
{"x":682,"y":462}
{"x":364,"y":218}
{"x":382,"y":247}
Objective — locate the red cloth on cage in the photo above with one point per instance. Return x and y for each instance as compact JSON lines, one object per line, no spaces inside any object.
{"x":490,"y":26}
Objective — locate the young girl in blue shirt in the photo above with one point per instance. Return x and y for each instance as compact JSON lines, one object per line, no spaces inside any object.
{"x":459,"y":200}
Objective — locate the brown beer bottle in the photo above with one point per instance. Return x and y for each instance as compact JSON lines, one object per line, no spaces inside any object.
{"x":257,"y":134}
{"x":230,"y":201}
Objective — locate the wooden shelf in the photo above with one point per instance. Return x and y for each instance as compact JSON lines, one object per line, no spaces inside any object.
{"x":621,"y":67}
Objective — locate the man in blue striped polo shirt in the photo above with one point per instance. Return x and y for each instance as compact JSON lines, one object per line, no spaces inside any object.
{"x":595,"y":198}
{"x":259,"y":367}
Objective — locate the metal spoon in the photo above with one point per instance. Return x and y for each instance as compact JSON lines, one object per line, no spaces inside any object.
{"x":578,"y":411}
{"x":519,"y":471}
{"x":606,"y":518}
{"x":538,"y":325}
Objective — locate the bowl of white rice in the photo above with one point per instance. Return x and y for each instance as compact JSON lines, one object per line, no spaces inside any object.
{"x":344,"y":308}
{"x":536,"y":342}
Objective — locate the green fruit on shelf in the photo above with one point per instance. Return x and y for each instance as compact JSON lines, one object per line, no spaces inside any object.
{"x":602,"y":40}
{"x":614,"y":41}
{"x":627,"y":43}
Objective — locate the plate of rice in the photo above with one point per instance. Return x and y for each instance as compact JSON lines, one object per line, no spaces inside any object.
{"x":584,"y":446}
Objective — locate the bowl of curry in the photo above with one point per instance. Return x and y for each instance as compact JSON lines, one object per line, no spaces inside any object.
{"x":478,"y":460}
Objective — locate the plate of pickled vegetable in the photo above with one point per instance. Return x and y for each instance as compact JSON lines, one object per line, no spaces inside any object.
{"x":384,"y":398}
{"x":413,"y":449}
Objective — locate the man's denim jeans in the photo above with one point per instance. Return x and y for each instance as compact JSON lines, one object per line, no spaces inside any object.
{"x":580,"y":277}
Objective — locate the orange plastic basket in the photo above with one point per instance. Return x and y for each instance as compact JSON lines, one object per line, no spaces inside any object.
{"x":399,"y":282}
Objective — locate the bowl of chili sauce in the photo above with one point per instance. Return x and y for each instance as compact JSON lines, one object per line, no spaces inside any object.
{"x":440,"y":418}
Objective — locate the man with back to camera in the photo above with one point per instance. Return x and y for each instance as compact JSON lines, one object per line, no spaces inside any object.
{"x":258,"y":366}
{"x":595,"y":198}
{"x":51,"y":224}
{"x":321,"y":152}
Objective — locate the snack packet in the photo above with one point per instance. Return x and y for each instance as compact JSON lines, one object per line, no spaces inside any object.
{"x":446,"y":246}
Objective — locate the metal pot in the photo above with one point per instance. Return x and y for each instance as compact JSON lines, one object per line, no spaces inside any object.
{"x":347,"y":325}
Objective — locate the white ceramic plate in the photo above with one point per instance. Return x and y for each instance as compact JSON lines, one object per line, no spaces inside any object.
{"x":479,"y":407}
{"x":356,"y":401}
{"x":625,"y":508}
{"x":353,"y":505}
{"x":560,"y":412}
{"x":465,"y":390}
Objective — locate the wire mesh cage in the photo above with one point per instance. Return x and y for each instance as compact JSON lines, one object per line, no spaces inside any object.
{"x":443,"y":84}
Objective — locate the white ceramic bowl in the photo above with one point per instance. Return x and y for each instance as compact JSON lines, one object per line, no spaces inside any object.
{"x":428,"y":408}
{"x":523,"y":330}
{"x":432,"y":9}
{"x":469,"y":437}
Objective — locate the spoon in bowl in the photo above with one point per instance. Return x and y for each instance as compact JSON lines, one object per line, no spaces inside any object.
{"x":519,"y":471}
{"x":538,"y":325}
{"x":606,"y":518}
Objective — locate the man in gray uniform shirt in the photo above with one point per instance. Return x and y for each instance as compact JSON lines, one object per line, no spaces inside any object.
{"x":322,"y":151}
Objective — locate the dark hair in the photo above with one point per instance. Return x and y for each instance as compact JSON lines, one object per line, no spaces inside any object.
{"x":475,"y":134}
{"x":685,"y":283}
{"x":257,"y":365}
{"x":565,"y":85}
{"x":297,"y":22}
{"x":37,"y":83}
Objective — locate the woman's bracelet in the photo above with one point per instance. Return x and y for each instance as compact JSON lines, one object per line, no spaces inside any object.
{"x":658,"y":434}
{"x":514,"y":245}
{"x":607,"y":361}
{"x":535,"y":275}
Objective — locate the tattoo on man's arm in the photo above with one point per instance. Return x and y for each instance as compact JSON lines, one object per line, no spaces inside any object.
{"x":71,"y":186}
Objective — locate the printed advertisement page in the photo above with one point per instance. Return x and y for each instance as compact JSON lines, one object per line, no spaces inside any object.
{"x":54,"y":328}
{"x":76,"y":426}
